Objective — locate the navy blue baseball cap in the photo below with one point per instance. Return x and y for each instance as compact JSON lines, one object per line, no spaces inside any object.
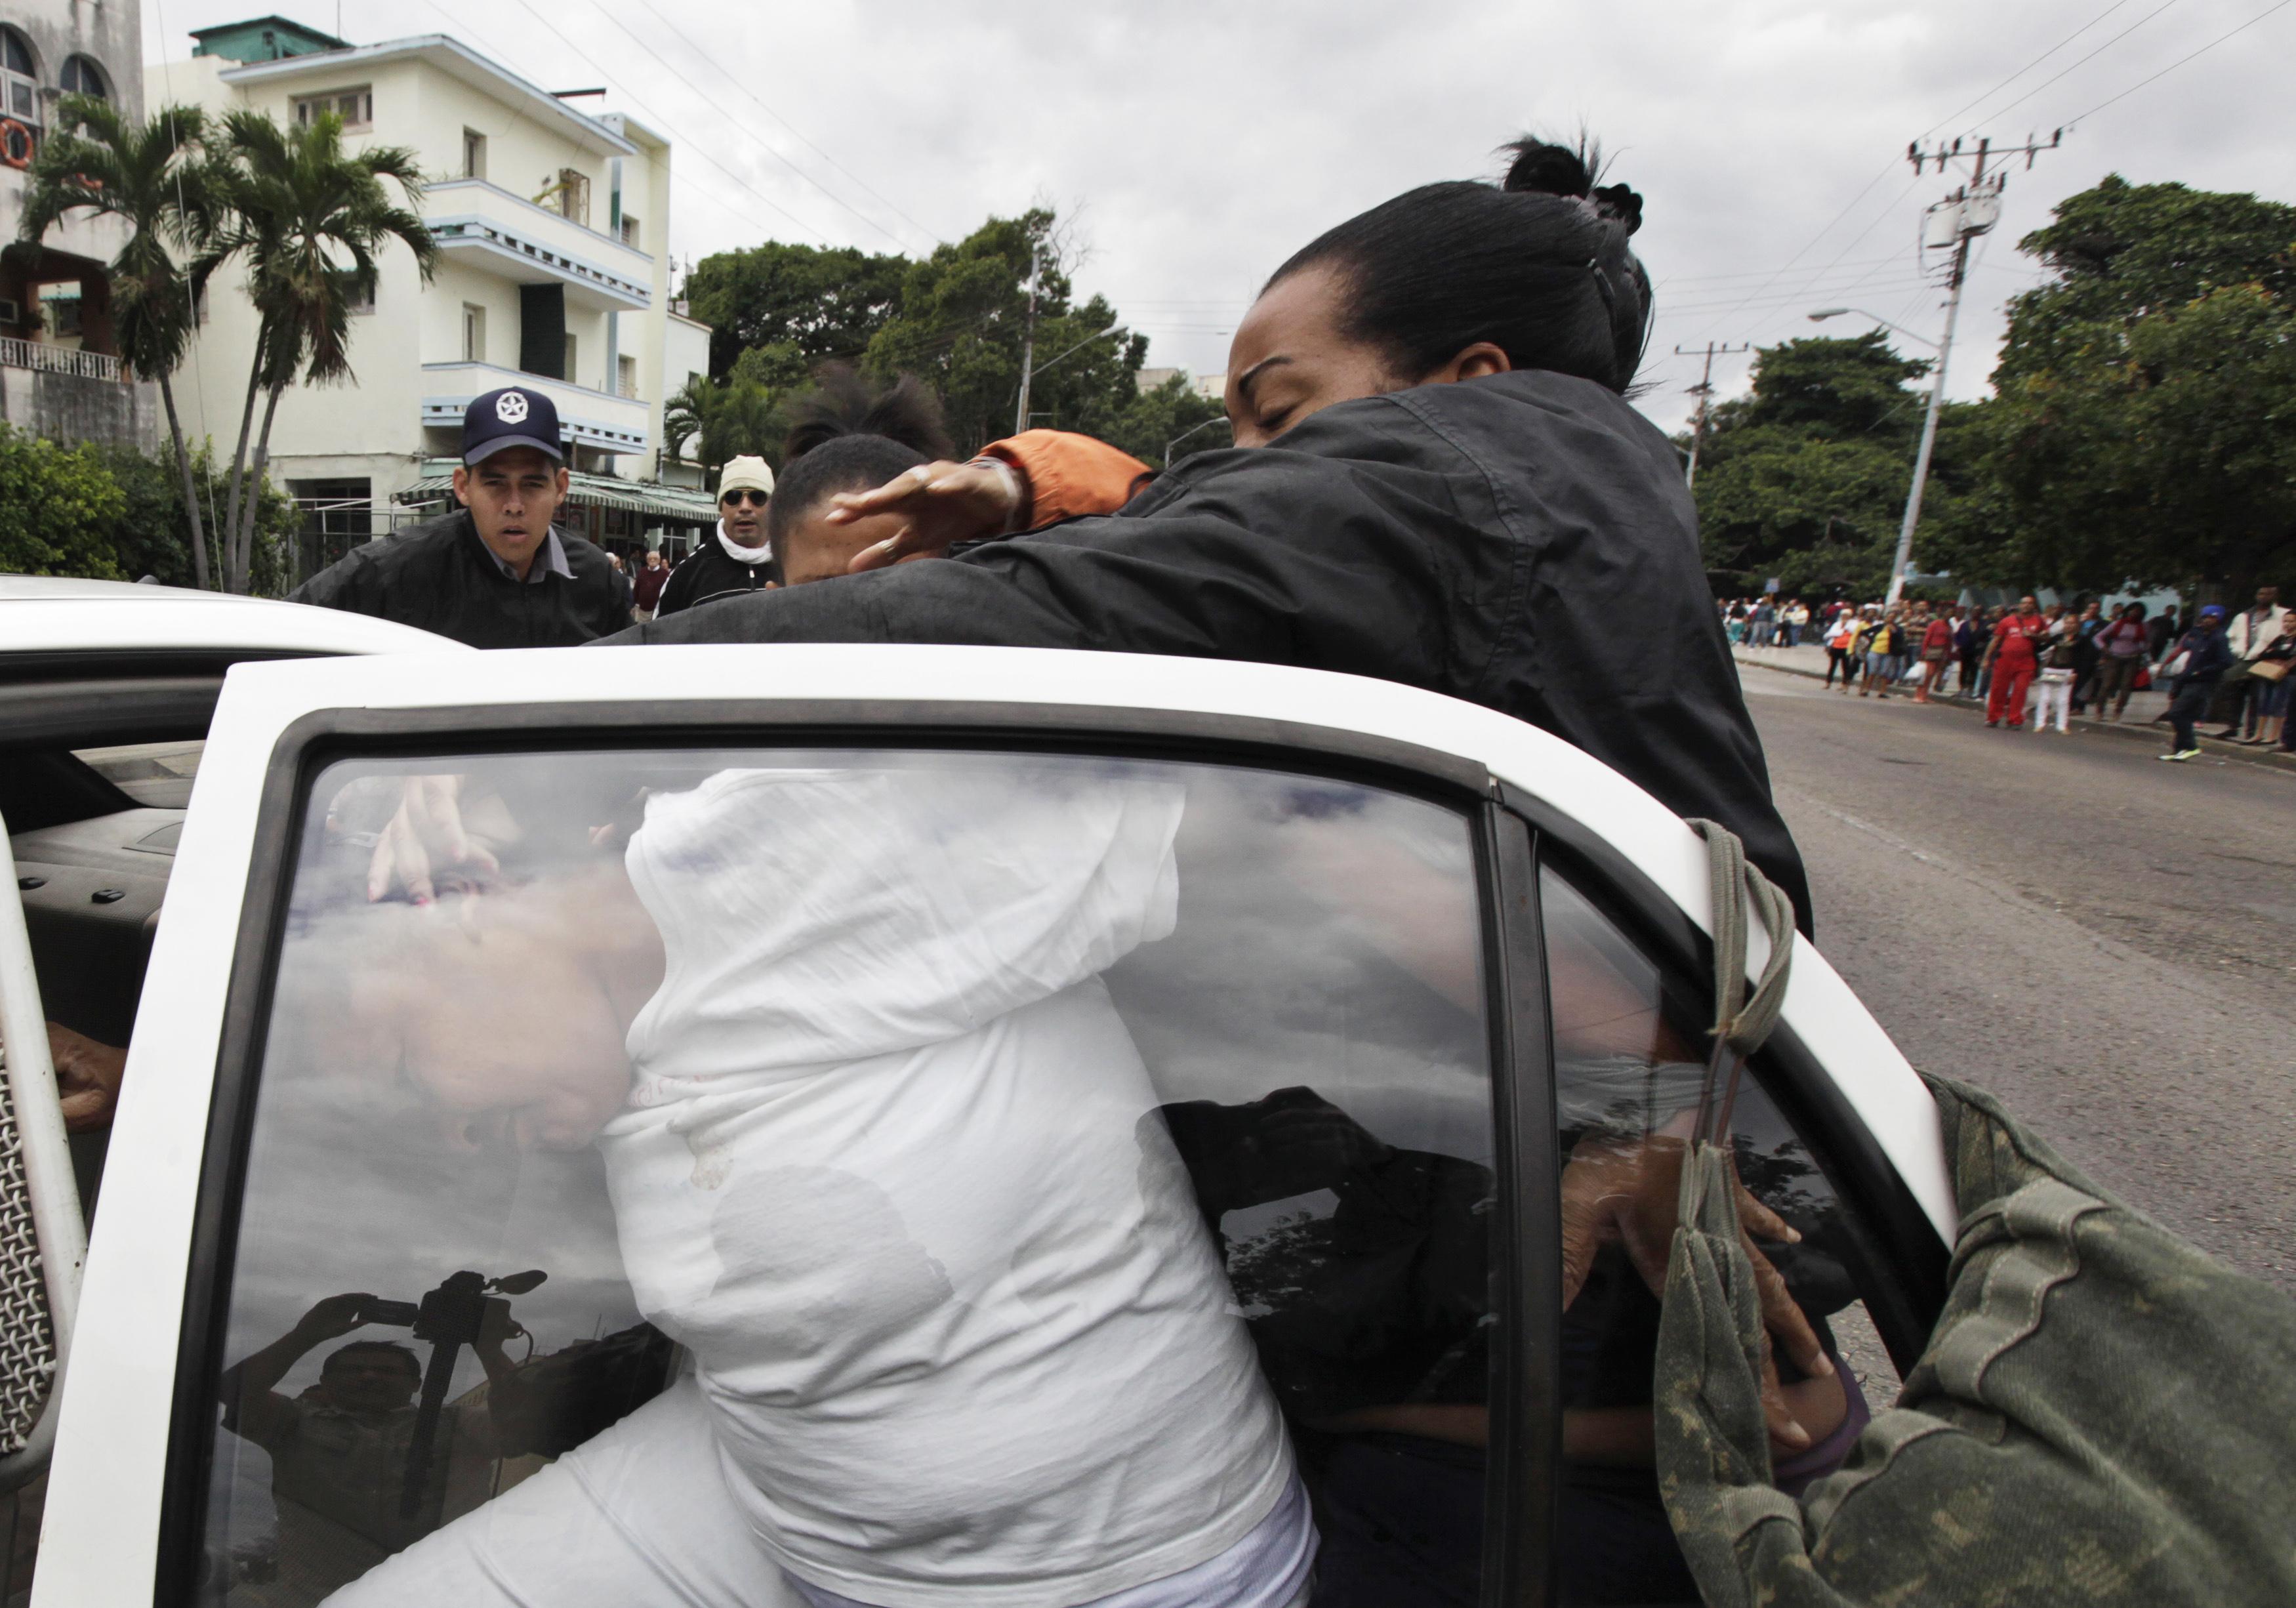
{"x":2212,"y":611}
{"x":512,"y":416}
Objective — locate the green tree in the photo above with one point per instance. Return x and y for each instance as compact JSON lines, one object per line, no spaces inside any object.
{"x":2144,"y":430}
{"x":1805,"y":478}
{"x":964,"y":320}
{"x":147,"y":174}
{"x":154,"y":531}
{"x":724,"y":422}
{"x":307,"y":221}
{"x":59,"y":507}
{"x":804,"y":305}
{"x":1154,"y":420}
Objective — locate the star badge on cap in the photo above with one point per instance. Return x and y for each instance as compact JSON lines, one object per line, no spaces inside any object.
{"x":510,"y":407}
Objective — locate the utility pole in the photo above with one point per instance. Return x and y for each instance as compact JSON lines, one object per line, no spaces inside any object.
{"x":1970,"y":210}
{"x":1028,"y":339}
{"x":1705,"y":391}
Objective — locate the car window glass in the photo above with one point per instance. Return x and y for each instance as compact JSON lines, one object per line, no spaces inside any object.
{"x":925,"y":1174}
{"x":1629,"y":1073}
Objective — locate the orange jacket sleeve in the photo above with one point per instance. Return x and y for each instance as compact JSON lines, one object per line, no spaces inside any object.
{"x":1064,"y":475}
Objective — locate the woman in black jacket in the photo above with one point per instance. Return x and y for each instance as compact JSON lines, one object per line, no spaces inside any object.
{"x":1438,"y":481}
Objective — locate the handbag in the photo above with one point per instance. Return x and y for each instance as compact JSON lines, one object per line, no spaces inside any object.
{"x":2268,"y":669}
{"x":2176,"y":665}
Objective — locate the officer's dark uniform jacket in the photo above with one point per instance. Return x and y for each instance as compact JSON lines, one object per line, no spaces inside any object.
{"x":709,"y":573}
{"x":1523,"y":541}
{"x":439,"y":576}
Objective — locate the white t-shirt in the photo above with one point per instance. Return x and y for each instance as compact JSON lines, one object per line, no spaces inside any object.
{"x":891,"y":1169}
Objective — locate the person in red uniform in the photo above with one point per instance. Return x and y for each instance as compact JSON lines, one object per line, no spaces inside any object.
{"x":2013,"y":654}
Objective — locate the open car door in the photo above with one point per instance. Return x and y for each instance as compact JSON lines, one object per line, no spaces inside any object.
{"x":988,"y":1125}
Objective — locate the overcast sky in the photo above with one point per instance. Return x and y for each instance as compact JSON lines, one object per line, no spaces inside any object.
{"x":1201,"y":143}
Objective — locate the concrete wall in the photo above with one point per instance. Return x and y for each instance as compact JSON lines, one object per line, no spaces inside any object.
{"x":73,"y":410}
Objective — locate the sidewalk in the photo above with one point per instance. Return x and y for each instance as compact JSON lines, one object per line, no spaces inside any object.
{"x":2143,"y":709}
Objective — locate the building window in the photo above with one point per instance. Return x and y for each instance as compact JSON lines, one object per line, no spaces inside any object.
{"x":360,"y":302}
{"x":474,"y":334}
{"x":567,"y":371}
{"x":82,"y":76}
{"x":474,"y":155}
{"x":356,"y":107}
{"x":630,"y":233}
{"x":19,"y":85}
{"x":569,"y":196}
{"x":60,"y":310}
{"x":626,"y":380}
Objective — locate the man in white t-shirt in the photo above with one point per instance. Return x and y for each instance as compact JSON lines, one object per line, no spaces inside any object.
{"x":885,"y":1158}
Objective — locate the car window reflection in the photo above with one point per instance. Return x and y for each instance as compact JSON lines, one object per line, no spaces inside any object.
{"x":941,"y":1168}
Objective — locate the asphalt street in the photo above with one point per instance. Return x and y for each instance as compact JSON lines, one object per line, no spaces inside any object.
{"x":2106,"y":942}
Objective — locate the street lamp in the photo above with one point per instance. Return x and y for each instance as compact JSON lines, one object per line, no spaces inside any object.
{"x":1184,"y":434}
{"x":1944,"y":349}
{"x":1824,"y":313}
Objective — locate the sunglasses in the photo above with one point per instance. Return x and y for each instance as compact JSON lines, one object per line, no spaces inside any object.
{"x":736,"y":499}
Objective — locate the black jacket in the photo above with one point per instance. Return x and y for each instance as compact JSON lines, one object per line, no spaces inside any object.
{"x":1524,"y":541}
{"x":709,"y":573}
{"x":439,"y":576}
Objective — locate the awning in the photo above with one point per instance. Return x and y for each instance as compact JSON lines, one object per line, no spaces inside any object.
{"x":649,"y":499}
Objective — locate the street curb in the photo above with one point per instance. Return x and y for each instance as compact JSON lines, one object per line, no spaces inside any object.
{"x":2215,"y":749}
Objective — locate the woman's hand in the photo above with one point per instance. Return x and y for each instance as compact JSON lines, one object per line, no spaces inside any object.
{"x":1627,"y":1191}
{"x":426,"y":836}
{"x":943,"y":502}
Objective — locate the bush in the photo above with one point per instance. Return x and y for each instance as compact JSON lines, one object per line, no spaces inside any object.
{"x":59,"y":508}
{"x":153,"y":534}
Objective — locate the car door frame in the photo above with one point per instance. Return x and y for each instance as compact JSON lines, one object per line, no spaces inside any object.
{"x":1526,"y":1421}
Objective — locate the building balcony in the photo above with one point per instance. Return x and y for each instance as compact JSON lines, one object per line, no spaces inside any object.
{"x":43,"y":358}
{"x":511,"y":237}
{"x":590,"y":418}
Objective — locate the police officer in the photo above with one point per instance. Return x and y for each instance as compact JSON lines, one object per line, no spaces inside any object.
{"x":735,"y":559}
{"x":494,"y":574}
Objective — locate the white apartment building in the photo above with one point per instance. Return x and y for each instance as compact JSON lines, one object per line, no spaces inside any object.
{"x":60,"y":371}
{"x":552,"y":226}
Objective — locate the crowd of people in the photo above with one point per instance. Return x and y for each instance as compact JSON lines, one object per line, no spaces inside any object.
{"x":2034,"y":666}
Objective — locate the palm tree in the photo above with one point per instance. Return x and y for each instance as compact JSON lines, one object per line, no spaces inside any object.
{"x":308,"y":220}
{"x":146,"y":175}
{"x":685,"y":414}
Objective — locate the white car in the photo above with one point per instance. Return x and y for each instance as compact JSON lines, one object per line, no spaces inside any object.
{"x":1380,"y":966}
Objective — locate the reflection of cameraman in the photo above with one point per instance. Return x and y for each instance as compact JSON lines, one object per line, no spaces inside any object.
{"x":339,"y":1450}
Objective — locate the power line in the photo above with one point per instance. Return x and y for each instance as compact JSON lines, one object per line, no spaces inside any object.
{"x":794,"y":131}
{"x":701,"y":150}
{"x":679,"y":175}
{"x":2180,"y":60}
{"x":2100,"y":50}
{"x":1867,"y":189}
{"x":2021,"y":71}
{"x":760,"y":139}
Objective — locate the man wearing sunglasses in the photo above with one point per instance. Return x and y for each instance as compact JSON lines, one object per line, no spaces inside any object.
{"x":736,"y":558}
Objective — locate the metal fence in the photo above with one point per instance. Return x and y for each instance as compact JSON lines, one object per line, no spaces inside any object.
{"x":57,"y":359}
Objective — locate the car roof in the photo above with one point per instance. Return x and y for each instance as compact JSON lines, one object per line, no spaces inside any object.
{"x":42,"y":614}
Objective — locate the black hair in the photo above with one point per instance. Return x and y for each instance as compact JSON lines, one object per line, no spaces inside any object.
{"x":843,"y":404}
{"x":850,"y":438}
{"x":405,"y":1354}
{"x":1537,"y":264}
